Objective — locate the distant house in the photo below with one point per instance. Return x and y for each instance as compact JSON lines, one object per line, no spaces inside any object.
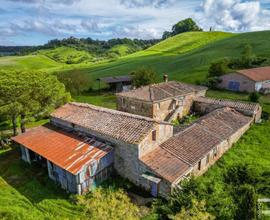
{"x":164,"y":101}
{"x":117,"y":83}
{"x":248,"y":80}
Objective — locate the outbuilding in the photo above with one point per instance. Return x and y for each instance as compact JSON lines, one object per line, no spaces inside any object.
{"x":247,"y":80}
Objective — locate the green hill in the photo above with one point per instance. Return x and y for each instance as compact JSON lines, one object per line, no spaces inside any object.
{"x":187,"y":56}
{"x":67,"y":55}
{"x":27,"y":62}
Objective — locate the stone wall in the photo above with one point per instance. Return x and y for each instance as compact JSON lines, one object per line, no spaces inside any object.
{"x":246,"y":85}
{"x":134,"y":106}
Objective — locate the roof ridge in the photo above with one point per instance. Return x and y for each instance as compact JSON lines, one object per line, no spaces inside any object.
{"x":112,"y":111}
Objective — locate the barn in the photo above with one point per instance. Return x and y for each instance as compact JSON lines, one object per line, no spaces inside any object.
{"x":247,"y":80}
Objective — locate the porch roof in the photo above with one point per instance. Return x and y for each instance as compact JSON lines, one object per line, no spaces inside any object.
{"x":67,"y":150}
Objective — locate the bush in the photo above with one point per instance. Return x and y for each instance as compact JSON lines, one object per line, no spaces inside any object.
{"x":108,"y":204}
{"x":254,"y":97}
{"x":218,"y":68}
{"x":144,"y":76}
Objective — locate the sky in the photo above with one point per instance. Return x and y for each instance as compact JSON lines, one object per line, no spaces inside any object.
{"x":34,"y":22}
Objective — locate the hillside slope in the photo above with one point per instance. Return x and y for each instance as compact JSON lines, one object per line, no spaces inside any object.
{"x":67,"y":55}
{"x":189,"y":66}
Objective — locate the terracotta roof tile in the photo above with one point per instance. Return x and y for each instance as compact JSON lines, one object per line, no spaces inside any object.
{"x":161,"y":91}
{"x":194,"y":142}
{"x":238,"y":105}
{"x":165,"y":164}
{"x":115,"y":124}
{"x":65,"y":149}
{"x":257,"y":74}
{"x":173,"y":158}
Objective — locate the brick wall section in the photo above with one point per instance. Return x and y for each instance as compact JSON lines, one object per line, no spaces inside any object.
{"x":246,"y":84}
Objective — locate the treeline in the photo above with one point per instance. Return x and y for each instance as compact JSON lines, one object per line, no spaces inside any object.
{"x":90,"y":45}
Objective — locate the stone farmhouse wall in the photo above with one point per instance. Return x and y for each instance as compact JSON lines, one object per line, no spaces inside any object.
{"x":134,"y":106}
{"x":126,"y":156}
{"x":246,"y":84}
{"x":159,"y":110}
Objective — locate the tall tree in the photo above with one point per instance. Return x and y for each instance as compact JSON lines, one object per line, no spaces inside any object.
{"x":28,"y":94}
{"x":144,"y":76}
{"x":185,"y":25}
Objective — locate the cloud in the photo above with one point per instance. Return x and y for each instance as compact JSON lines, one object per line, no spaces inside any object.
{"x":147,"y":3}
{"x":235,"y":15}
{"x":64,"y":2}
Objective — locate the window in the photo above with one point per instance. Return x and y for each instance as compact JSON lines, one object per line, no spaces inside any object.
{"x":207,"y":158}
{"x":154,"y":135}
{"x":200,"y":165}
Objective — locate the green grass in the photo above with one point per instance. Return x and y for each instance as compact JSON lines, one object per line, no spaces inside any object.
{"x":122,"y":49}
{"x":187,"y":58}
{"x":27,"y":193}
{"x":107,"y":100}
{"x":67,"y":55}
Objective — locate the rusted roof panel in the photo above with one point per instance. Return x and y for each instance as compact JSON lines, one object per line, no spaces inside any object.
{"x":257,"y":74}
{"x":161,"y":91}
{"x":67,"y":150}
{"x":122,"y":126}
{"x":165,"y":164}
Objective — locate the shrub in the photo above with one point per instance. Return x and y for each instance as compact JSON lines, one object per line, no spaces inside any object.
{"x":254,"y":97}
{"x":218,"y":68}
{"x":144,"y":76}
{"x":108,"y":204}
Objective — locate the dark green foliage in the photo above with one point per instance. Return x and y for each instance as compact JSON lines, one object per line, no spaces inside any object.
{"x":144,"y":76}
{"x":218,"y":68}
{"x":254,"y":97}
{"x":186,"y":25}
{"x":75,"y":81}
{"x":246,"y":200}
{"x":29,"y":94}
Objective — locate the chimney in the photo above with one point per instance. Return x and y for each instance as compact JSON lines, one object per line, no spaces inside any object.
{"x":165,"y":78}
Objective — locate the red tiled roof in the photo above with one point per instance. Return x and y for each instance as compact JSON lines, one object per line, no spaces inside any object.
{"x":161,"y":91}
{"x":122,"y":126}
{"x":173,"y":158}
{"x":194,"y":142}
{"x":257,"y":74}
{"x":67,"y":150}
{"x":238,"y":105}
{"x":165,"y":164}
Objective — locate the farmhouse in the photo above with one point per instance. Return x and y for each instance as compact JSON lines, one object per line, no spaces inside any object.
{"x":248,"y":80}
{"x":84,"y":144}
{"x":164,"y":101}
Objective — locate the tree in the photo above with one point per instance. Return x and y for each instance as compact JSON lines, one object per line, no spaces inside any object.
{"x":28,"y":94}
{"x":166,"y":35}
{"x":186,"y":25}
{"x":144,"y":76}
{"x":108,"y":204}
{"x":196,"y":212}
{"x":75,"y":82}
{"x":246,"y":199}
{"x":218,"y":68}
{"x":247,"y":56}
{"x":254,"y":97}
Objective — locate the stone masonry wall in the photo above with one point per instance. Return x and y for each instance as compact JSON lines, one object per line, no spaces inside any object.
{"x":134,"y":106}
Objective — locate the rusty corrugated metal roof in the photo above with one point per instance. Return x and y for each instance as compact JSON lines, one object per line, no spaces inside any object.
{"x":67,"y":150}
